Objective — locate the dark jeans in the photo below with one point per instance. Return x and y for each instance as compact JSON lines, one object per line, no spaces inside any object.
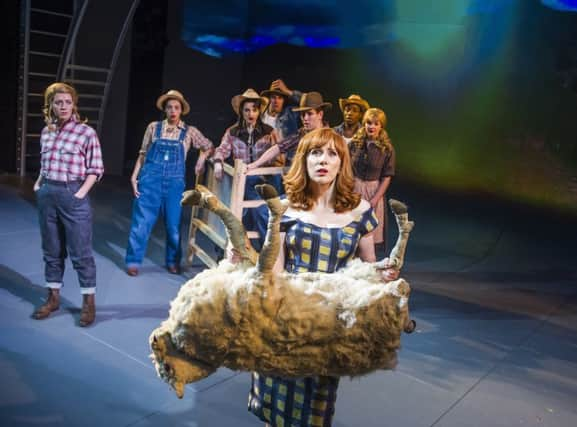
{"x":66,"y":227}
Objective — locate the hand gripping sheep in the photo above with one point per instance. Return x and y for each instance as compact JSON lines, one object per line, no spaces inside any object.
{"x":247,"y":318}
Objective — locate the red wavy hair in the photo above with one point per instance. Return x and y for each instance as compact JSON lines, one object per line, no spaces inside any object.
{"x":297,"y":181}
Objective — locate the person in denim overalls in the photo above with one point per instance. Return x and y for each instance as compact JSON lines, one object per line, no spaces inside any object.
{"x":159,"y":179}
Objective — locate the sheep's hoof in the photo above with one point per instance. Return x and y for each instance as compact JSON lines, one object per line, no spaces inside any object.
{"x":398,"y":207}
{"x":266,"y":191}
{"x":410,"y":327}
{"x":191,"y":197}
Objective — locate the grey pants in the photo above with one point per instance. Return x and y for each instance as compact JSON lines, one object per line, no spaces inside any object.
{"x":66,"y":227}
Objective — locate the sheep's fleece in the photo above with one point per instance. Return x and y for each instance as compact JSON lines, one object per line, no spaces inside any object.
{"x":247,"y":318}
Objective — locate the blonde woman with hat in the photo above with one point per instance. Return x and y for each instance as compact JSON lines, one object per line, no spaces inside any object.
{"x":70,"y":165}
{"x":373,"y":160}
{"x":158,"y":180}
{"x":312,"y":109}
{"x":246,"y":140}
{"x":353,"y":109}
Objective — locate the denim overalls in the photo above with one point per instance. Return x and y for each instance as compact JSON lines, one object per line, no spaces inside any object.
{"x":161,"y":184}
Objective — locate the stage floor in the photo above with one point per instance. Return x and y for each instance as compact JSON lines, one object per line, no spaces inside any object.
{"x":494,"y":297}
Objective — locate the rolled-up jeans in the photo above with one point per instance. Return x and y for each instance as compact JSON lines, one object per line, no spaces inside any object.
{"x":66,"y":227}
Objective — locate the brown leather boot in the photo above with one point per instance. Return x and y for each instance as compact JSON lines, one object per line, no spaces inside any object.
{"x":52,"y":304}
{"x":88,"y":313}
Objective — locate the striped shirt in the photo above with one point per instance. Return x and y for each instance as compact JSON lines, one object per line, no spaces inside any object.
{"x":193,"y":137}
{"x":70,"y":153}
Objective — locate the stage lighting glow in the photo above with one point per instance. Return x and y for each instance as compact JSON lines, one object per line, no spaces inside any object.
{"x":562,"y":5}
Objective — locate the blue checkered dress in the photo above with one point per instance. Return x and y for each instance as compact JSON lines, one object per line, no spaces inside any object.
{"x":308,"y":401}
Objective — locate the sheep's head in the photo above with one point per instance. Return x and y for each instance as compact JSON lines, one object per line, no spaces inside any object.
{"x":174,"y":366}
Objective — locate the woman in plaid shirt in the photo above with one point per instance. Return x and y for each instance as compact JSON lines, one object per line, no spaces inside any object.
{"x":247,"y":140}
{"x":70,"y":164}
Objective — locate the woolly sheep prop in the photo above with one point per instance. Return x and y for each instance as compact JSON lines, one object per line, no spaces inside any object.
{"x":247,"y":318}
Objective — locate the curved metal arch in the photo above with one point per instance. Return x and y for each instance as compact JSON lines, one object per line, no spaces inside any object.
{"x":113,"y":61}
{"x":70,"y":40}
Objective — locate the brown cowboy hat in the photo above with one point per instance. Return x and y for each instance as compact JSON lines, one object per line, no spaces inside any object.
{"x":173,"y":94}
{"x":353,"y":99}
{"x":272,"y":91}
{"x":312,"y":100}
{"x":248,"y":95}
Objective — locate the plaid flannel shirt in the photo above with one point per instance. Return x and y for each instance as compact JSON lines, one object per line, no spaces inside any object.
{"x":70,"y":153}
{"x":194,"y":137}
{"x":241,"y":150}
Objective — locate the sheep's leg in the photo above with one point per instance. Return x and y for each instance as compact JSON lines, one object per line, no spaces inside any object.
{"x":397,"y":256}
{"x":202,"y":197}
{"x":271,"y":247}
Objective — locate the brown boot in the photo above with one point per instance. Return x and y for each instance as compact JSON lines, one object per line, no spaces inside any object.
{"x":88,"y":312}
{"x":52,"y":304}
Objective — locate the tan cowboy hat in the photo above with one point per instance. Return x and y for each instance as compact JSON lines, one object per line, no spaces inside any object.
{"x":173,"y":94}
{"x":312,"y":100}
{"x":354,"y":99}
{"x":248,"y":95}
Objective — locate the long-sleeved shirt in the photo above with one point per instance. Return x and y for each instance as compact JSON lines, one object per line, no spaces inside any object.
{"x":70,"y":152}
{"x":370,"y":163}
{"x":193,"y":137}
{"x":244,"y":145}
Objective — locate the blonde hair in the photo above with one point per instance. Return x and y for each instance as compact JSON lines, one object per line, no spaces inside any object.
{"x":297,"y":181}
{"x":49,"y":95}
{"x":383,"y":141}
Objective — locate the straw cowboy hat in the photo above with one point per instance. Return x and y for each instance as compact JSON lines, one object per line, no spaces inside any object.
{"x":248,"y":95}
{"x":312,"y":100}
{"x":173,"y":94}
{"x":353,"y":99}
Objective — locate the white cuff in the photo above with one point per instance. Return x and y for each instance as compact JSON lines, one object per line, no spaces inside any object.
{"x":53,"y":285}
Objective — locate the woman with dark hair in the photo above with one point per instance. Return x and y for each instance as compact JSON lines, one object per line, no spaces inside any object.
{"x":246,"y":140}
{"x":326,"y":224}
{"x":373,"y":161}
{"x":70,"y":165}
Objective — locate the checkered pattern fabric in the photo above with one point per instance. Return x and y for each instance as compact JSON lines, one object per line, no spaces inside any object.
{"x":308,"y":401}
{"x":247,"y":152}
{"x":70,"y":153}
{"x":313,"y":248}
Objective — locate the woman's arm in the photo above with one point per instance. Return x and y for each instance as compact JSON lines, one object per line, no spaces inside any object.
{"x":38,"y":182}
{"x":146,"y":141}
{"x":221,"y":153}
{"x":134,"y":177}
{"x":367,"y":254}
{"x":269,"y":155}
{"x":86,"y":186}
{"x":367,"y":248}
{"x":383,"y":186}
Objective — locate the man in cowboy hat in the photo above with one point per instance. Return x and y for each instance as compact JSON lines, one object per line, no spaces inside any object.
{"x":158,"y":180}
{"x":312,"y":109}
{"x":353,"y":109}
{"x":279,"y":114}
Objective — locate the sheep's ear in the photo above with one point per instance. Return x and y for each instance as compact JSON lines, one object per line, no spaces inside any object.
{"x":154,"y":340}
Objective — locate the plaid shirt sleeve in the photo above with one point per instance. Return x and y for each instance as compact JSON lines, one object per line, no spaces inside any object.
{"x":197,"y":140}
{"x":147,"y":139}
{"x":223,"y":151}
{"x":289,"y":143}
{"x":93,"y":153}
